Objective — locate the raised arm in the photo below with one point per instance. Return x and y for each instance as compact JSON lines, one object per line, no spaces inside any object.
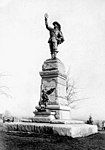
{"x":46,"y":22}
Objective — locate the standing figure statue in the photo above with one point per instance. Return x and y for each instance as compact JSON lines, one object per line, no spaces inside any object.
{"x":56,"y":36}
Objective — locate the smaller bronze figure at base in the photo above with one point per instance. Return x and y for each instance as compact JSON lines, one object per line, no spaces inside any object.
{"x":56,"y":37}
{"x":44,"y":98}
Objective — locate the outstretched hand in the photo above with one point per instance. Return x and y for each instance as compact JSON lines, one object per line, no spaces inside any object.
{"x":46,"y":16}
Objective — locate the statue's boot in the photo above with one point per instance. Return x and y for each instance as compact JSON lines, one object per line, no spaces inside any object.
{"x":52,"y":56}
{"x":55,"y":55}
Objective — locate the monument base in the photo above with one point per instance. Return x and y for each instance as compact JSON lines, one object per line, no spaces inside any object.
{"x":43,"y":116}
{"x":58,"y":121}
{"x":58,"y":111}
{"x":71,"y":130}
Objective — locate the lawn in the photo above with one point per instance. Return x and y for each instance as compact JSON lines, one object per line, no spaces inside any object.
{"x":14,"y":141}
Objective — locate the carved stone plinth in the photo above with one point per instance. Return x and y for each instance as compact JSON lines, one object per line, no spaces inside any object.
{"x":53,"y":77}
{"x":43,"y":116}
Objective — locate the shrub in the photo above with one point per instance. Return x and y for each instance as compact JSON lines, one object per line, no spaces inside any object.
{"x":90,"y":120}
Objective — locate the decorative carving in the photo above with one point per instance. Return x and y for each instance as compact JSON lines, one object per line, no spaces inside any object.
{"x":48,"y":84}
{"x":53,"y":67}
{"x":50,"y":66}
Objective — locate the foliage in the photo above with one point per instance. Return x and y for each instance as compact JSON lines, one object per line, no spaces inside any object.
{"x":4,"y":90}
{"x":7,"y":113}
{"x":72,"y":92}
{"x":90,"y":120}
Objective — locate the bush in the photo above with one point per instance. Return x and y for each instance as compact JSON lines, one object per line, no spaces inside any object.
{"x":90,"y":120}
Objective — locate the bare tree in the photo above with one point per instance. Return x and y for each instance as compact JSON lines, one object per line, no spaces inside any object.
{"x":72,"y":91}
{"x":4,"y":90}
{"x":90,"y":120}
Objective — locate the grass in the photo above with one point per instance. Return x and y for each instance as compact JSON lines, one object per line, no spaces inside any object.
{"x":14,"y":141}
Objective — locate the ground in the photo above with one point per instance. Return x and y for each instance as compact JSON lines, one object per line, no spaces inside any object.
{"x":14,"y":141}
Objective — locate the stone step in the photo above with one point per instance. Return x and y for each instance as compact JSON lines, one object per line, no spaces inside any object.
{"x":71,"y":130}
{"x":61,"y":121}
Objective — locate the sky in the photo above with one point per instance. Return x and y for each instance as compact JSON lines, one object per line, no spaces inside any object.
{"x":24,"y":47}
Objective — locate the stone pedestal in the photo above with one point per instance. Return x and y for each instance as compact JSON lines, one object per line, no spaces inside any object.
{"x":54,"y":117}
{"x":44,"y":116}
{"x":53,"y":76}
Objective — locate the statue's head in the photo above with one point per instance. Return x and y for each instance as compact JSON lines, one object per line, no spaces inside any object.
{"x":55,"y":23}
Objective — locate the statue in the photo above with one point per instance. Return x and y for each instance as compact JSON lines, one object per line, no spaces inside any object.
{"x":44,"y":98}
{"x":56,"y":37}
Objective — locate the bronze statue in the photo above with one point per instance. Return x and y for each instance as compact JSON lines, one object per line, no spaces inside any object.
{"x":56,"y":37}
{"x":44,"y":98}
